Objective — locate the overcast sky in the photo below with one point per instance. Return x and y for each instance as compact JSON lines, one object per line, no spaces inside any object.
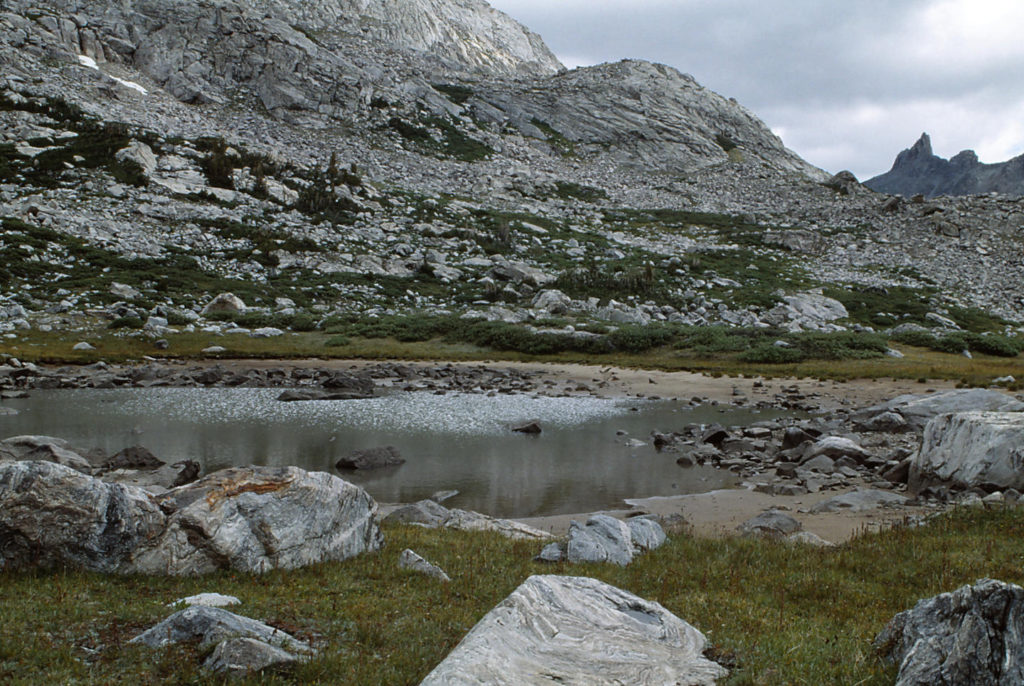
{"x":846,"y":84}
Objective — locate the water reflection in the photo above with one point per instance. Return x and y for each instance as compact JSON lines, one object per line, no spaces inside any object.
{"x":453,"y":441}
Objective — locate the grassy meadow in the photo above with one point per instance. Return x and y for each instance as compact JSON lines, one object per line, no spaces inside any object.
{"x":774,"y":613}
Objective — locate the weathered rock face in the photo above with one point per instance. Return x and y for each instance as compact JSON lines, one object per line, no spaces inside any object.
{"x":971,"y":449}
{"x":917,"y":170}
{"x":467,"y":33}
{"x":577,"y":630}
{"x":974,"y":635}
{"x":257,"y":519}
{"x":52,"y":515}
{"x":673,"y":121}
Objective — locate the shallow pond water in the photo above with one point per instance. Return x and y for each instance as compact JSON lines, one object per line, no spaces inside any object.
{"x":452,"y":441}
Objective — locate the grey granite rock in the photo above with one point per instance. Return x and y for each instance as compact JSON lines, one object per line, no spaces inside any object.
{"x":974,"y":635}
{"x":241,"y":655}
{"x":771,"y":524}
{"x":971,"y":449}
{"x":255,"y":519}
{"x":601,"y":539}
{"x":51,"y":516}
{"x":208,"y":626}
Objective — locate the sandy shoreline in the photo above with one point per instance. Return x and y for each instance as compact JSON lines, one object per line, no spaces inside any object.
{"x":708,"y":514}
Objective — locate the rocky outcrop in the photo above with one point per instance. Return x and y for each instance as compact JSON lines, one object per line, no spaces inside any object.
{"x":255,"y":519}
{"x":248,"y":519}
{"x":467,"y":33}
{"x":970,"y":636}
{"x":672,"y":121}
{"x":556,"y":629}
{"x":971,"y":449}
{"x":917,"y":170}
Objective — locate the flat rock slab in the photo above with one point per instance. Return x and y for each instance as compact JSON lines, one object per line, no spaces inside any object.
{"x":860,"y":501}
{"x":770,"y":524}
{"x":971,"y":449}
{"x":580,"y":631}
{"x":974,"y":635}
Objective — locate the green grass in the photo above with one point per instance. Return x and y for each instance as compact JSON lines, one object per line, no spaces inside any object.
{"x":782,"y":614}
{"x":438,"y":136}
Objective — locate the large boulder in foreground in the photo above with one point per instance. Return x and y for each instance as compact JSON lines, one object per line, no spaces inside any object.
{"x":254,"y":519}
{"x":52,"y":515}
{"x":576,"y":630}
{"x":250,"y":519}
{"x":918,"y":410}
{"x":974,"y":635}
{"x":971,"y":449}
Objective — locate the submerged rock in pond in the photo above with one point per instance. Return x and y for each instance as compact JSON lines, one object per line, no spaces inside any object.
{"x":576,"y":630}
{"x":134,"y":457}
{"x":299,"y":394}
{"x":372,"y":458}
{"x":528,"y":428}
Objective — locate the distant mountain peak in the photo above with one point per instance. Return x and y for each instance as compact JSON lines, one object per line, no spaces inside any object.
{"x":917,"y":170}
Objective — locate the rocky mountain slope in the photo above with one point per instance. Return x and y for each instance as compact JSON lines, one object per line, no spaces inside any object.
{"x":334,"y":159}
{"x":917,"y":170}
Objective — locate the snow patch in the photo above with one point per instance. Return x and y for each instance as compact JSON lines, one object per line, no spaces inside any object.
{"x":91,"y":64}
